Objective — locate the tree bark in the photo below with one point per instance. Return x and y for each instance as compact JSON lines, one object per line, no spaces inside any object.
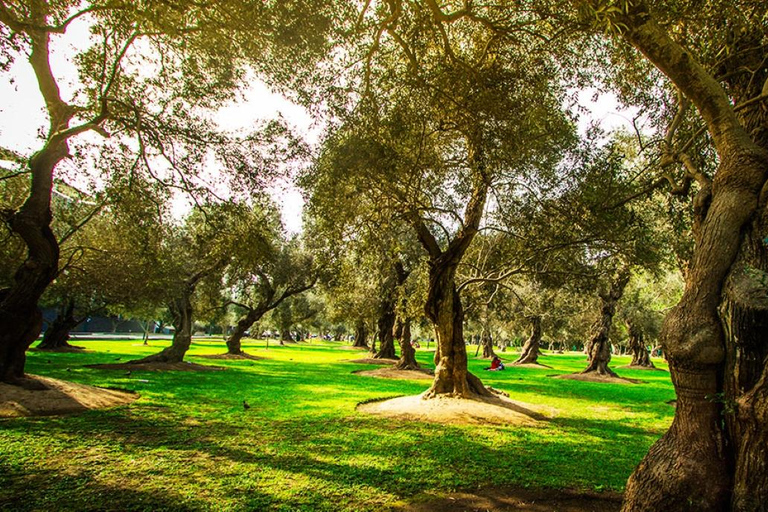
{"x":234,"y":346}
{"x":361,"y":335}
{"x":531,"y":348}
{"x":443,"y":306}
{"x":700,"y":447}
{"x":181,"y":314}
{"x":20,"y":318}
{"x":640,"y":354}
{"x":57,"y":334}
{"x":599,"y":346}
{"x":486,"y":341}
{"x":285,"y":336}
{"x":386,"y":324}
{"x":444,"y":309}
{"x":407,"y":352}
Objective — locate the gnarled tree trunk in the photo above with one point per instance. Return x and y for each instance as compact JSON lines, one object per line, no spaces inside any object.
{"x":599,"y":346}
{"x":234,"y":345}
{"x":703,"y":463}
{"x":386,"y":325}
{"x":445,"y":311}
{"x":20,"y":318}
{"x":181,"y":314}
{"x":361,"y":335}
{"x":531,"y":348}
{"x":486,"y":342}
{"x":640,"y":354}
{"x":407,"y":352}
{"x":57,"y":334}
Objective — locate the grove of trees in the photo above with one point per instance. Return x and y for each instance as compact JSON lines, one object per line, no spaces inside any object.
{"x":457,"y":193}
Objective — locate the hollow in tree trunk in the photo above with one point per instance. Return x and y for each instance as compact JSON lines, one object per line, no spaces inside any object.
{"x":640,"y":354}
{"x":407,"y":352}
{"x":57,"y":335}
{"x":531,"y":348}
{"x":599,"y":346}
{"x":361,"y":335}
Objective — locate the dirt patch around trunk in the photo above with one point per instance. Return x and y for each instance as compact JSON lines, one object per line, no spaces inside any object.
{"x":497,"y":410}
{"x":60,"y":397}
{"x":529,"y":365}
{"x":350,"y":347}
{"x":183,"y":366}
{"x":508,"y":499}
{"x":392,"y":373}
{"x":371,"y":360}
{"x":233,"y":357}
{"x":648,"y":368}
{"x":596,"y":377}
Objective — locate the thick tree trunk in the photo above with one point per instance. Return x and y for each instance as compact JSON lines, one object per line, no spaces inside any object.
{"x":285,"y":336}
{"x":57,"y":334}
{"x":181,"y":314}
{"x":20,"y":318}
{"x":444,"y":310}
{"x":407,"y":352}
{"x":386,"y":325}
{"x":599,"y":346}
{"x":234,"y":346}
{"x":705,"y":463}
{"x":640,"y":354}
{"x":531,"y":348}
{"x":486,"y":342}
{"x":361,"y":335}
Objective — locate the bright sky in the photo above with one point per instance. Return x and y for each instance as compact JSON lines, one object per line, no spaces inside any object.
{"x":22,"y":114}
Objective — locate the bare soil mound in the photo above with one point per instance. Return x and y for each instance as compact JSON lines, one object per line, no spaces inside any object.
{"x":529,"y":365}
{"x":371,"y":360}
{"x":158,"y":367}
{"x":636,"y":367}
{"x":498,"y":410}
{"x":60,"y":397}
{"x":233,"y":357}
{"x":503,"y":499}
{"x":392,"y":373}
{"x":596,"y":377}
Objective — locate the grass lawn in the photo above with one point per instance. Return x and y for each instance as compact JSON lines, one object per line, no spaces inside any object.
{"x":188,"y":444}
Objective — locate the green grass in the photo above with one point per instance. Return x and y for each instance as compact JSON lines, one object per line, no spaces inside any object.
{"x":188,"y":444}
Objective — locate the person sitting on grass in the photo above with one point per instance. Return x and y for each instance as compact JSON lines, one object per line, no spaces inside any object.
{"x":496,"y":364}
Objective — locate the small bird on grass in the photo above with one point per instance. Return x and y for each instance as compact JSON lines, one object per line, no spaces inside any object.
{"x":246,"y":406}
{"x":69,"y":369}
{"x":128,"y":373}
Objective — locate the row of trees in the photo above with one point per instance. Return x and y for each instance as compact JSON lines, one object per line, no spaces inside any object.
{"x":448,"y":149}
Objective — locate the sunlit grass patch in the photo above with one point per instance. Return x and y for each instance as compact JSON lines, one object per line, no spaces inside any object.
{"x":189,"y":444}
